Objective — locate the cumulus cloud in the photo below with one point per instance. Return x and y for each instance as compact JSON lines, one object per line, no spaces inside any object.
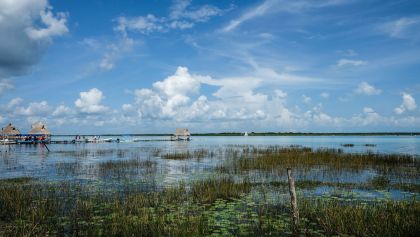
{"x":280,"y":94}
{"x":5,"y":85}
{"x":14,"y":102}
{"x":181,"y":83}
{"x":368,"y":110}
{"x":409,"y":103}
{"x":168,"y":95}
{"x":27,"y":28}
{"x":55,"y":26}
{"x":62,"y":111}
{"x":34,"y":109}
{"x":367,"y":89}
{"x":348,"y":62}
{"x":368,"y":117}
{"x":90,"y":102}
{"x":317,"y":116}
{"x":306,"y":99}
{"x":177,"y":98}
{"x":325,"y":95}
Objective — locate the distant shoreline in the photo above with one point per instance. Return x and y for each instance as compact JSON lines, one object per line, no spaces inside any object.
{"x":236,"y":134}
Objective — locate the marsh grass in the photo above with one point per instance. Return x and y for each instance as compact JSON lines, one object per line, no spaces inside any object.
{"x":379,"y":219}
{"x":219,"y":207}
{"x":274,"y":158}
{"x":196,"y":154}
{"x":122,"y":168}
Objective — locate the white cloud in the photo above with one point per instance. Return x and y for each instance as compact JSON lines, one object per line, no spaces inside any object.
{"x":142,"y":24}
{"x":168,"y":95}
{"x":172,"y":99}
{"x":127,"y":107}
{"x":90,"y":102}
{"x":181,"y":83}
{"x":368,"y":110}
{"x":368,"y":117}
{"x":281,"y":94}
{"x":409,"y":103}
{"x":55,"y":26}
{"x":115,"y":51}
{"x":5,"y":85}
{"x":273,"y":6}
{"x":403,"y":28}
{"x":306,"y":99}
{"x":367,"y":89}
{"x":14,"y":102}
{"x":27,"y":27}
{"x":34,"y":109}
{"x":182,"y":16}
{"x":325,"y":95}
{"x":180,"y":10}
{"x":62,"y":111}
{"x":348,"y":62}
{"x":253,"y":13}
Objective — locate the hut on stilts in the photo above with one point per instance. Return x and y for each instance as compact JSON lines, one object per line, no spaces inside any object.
{"x":40,"y":132}
{"x":9,"y":134}
{"x":181,"y":134}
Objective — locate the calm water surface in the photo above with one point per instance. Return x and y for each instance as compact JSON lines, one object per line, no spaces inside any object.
{"x":79,"y":162}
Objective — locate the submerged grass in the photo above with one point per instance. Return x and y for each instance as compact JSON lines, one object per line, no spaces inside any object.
{"x":213,"y":207}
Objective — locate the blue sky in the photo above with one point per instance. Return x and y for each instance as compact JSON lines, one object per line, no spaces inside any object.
{"x":151,"y":66}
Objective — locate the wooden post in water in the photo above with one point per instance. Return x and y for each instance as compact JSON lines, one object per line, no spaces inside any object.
{"x":293,"y":198}
{"x":46,"y":147}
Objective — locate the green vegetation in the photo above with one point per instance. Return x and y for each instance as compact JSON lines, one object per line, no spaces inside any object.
{"x":197,"y":154}
{"x":278,"y":158}
{"x":214,"y":207}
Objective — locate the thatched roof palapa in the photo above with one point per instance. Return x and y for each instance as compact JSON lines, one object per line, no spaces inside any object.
{"x":10,"y":130}
{"x":39,"y":128}
{"x":182,"y":132}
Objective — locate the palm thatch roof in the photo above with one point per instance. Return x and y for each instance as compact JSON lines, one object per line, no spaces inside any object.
{"x":182,"y":132}
{"x":10,"y":130}
{"x":39,"y":128}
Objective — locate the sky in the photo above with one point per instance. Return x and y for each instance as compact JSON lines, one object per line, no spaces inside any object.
{"x":128,"y":66}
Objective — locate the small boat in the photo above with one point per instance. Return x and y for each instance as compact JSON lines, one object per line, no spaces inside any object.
{"x":106,"y":140}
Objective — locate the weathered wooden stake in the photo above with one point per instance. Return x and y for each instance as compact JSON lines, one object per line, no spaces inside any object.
{"x":293,"y":198}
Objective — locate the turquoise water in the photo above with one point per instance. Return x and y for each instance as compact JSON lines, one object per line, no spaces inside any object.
{"x":383,"y":144}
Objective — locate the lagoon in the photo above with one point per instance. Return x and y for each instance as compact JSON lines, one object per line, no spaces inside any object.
{"x":223,"y":179}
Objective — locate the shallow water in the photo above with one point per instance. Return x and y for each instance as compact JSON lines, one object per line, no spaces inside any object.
{"x":383,"y":144}
{"x":81,"y":162}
